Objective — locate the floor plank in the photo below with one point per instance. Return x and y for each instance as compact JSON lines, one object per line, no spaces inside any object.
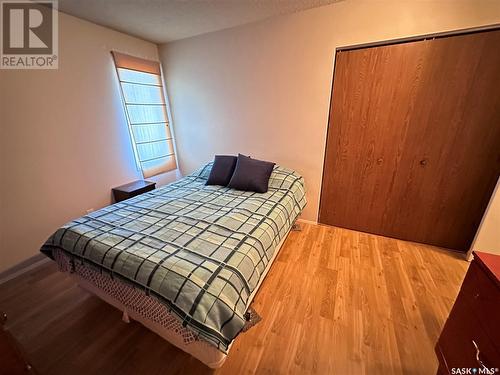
{"x":335,"y":302}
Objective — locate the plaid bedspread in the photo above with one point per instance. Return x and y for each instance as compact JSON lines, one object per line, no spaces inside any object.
{"x":201,"y":250}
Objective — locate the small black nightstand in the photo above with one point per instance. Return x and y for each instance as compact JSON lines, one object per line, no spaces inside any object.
{"x":132,"y":189}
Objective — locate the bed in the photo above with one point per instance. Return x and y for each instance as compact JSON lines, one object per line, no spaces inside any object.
{"x":184,"y":260}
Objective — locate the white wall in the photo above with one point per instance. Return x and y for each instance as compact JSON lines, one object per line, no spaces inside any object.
{"x":64,"y":140}
{"x":264,"y":88}
{"x":488,"y":236}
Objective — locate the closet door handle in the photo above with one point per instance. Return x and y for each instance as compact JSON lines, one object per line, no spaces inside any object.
{"x":423,"y":162}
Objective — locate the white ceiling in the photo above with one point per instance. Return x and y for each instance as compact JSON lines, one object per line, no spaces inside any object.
{"x":163,"y":21}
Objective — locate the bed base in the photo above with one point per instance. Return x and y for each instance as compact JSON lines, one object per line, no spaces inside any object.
{"x":202,"y":350}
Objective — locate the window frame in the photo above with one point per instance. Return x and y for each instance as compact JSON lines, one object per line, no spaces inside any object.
{"x":137,"y":64}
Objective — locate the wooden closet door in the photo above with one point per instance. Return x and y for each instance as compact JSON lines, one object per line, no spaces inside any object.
{"x":413,"y":146}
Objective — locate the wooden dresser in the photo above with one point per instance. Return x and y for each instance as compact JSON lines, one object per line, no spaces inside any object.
{"x":471,"y":336}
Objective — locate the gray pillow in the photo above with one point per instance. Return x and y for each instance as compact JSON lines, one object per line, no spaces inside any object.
{"x":222,"y":170}
{"x":251,"y":174}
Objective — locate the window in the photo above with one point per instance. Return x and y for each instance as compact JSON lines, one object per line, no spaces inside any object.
{"x":144,"y":102}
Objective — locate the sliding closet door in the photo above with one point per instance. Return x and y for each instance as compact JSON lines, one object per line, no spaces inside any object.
{"x":413,"y":146}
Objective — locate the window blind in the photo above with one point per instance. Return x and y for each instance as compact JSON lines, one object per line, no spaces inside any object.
{"x":146,"y":110}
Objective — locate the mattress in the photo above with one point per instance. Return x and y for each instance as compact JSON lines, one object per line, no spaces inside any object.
{"x":199,"y":251}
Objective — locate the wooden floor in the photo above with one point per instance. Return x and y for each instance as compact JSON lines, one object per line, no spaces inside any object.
{"x":335,"y":302}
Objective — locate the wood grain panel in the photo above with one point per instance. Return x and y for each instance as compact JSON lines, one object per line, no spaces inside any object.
{"x":472,"y":329}
{"x":335,"y":302}
{"x":413,"y":147}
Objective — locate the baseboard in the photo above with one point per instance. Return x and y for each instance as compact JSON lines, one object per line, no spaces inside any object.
{"x":23,"y":267}
{"x":307,"y":221}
